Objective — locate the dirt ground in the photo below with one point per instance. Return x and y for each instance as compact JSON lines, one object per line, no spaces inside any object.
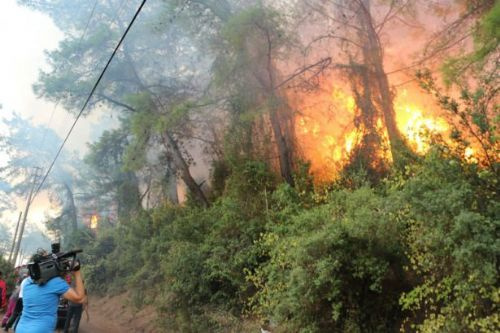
{"x":112,"y":315}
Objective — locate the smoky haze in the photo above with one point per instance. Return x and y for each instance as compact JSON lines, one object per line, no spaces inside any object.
{"x":156,"y":122}
{"x":257,"y":165}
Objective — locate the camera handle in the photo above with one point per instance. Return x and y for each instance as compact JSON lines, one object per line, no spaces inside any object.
{"x":75,"y":263}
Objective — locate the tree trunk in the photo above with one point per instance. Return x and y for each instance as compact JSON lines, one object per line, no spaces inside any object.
{"x":128,"y":196}
{"x":170,"y":186}
{"x":179,"y":161}
{"x":275,"y":109}
{"x":183,"y":168}
{"x":373,"y":60}
{"x":284,"y":153}
{"x":366,"y":152}
{"x":71,"y":210}
{"x":222,"y":9}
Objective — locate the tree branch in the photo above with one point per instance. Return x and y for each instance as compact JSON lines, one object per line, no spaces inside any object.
{"x":114,"y":101}
{"x":330,"y":35}
{"x":323,"y":63}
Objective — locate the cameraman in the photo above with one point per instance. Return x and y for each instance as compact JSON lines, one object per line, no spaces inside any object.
{"x":40,"y":301}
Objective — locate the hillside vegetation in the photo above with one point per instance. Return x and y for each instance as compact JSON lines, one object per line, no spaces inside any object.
{"x":339,"y":159}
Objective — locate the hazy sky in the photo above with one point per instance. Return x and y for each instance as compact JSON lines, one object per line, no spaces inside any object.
{"x":24,"y":35}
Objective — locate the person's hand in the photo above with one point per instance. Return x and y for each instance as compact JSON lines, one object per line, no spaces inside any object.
{"x":75,"y":265}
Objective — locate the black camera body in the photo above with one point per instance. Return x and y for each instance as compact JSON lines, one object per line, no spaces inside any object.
{"x":55,"y":264}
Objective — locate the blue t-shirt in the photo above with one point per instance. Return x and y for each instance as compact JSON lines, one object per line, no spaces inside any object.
{"x":40,"y":306}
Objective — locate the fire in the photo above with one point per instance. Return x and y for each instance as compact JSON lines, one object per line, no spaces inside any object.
{"x":470,"y":155}
{"x":94,"y":221}
{"x":327,"y":135}
{"x":324,"y":130}
{"x":343,"y":99}
{"x":350,"y":142}
{"x":418,"y":128}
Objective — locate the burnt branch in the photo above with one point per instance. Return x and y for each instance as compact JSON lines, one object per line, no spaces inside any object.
{"x":317,"y":69}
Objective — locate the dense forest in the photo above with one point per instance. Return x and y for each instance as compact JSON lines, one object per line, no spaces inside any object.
{"x":296,"y":165}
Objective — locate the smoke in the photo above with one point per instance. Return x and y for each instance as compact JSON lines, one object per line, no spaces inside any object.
{"x":165,"y":70}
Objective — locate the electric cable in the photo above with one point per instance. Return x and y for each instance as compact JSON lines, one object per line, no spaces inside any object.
{"x":114,"y":19}
{"x":88,"y":98}
{"x":88,"y":23}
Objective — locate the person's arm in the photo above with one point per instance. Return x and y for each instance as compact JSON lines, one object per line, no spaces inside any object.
{"x":76,"y":295}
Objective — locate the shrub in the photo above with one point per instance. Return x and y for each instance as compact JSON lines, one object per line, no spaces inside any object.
{"x":335,"y":267}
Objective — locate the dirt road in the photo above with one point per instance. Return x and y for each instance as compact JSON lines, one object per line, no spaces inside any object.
{"x":113,"y":315}
{"x":100,"y":325}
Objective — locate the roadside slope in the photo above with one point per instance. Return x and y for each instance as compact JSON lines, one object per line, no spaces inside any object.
{"x":113,"y":315}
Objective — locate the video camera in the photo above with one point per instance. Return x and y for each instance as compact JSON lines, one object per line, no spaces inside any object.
{"x":46,"y":267}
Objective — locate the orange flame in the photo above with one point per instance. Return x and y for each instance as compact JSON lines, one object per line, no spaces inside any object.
{"x":470,"y":155}
{"x":327,"y":136}
{"x":416,"y":125}
{"x":94,"y":220}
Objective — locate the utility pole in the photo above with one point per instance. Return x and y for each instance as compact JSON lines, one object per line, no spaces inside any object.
{"x":25,"y":216}
{"x":15,"y":236}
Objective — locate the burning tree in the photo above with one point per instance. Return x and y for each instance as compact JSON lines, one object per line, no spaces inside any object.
{"x":470,"y":75}
{"x":354,"y":35}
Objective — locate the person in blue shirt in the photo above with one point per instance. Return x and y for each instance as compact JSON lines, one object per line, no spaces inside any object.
{"x":40,"y":303}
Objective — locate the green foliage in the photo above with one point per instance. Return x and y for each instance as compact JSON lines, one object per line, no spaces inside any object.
{"x":251,"y":40}
{"x":240,"y":138}
{"x":417,"y":252}
{"x":220,"y":173}
{"x":334,"y":268}
{"x":474,"y":115}
{"x":67,"y":85}
{"x":196,"y":257}
{"x":453,"y":248}
{"x":486,"y":33}
{"x":107,"y":159}
{"x":106,"y":155}
{"x":219,"y":245}
{"x":245,"y":69}
{"x":136,"y":151}
{"x":413,"y":250}
{"x":239,"y":28}
{"x":115,"y":255}
{"x":177,"y":116}
{"x":99,"y":268}
{"x":147,"y":124}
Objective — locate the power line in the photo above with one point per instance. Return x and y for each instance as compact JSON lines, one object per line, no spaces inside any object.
{"x":88,"y":99}
{"x":116,"y":16}
{"x":42,"y":143}
{"x":88,"y":23}
{"x":118,"y":13}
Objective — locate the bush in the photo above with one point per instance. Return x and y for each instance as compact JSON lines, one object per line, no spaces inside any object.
{"x":416,"y":252}
{"x":453,"y":248}
{"x":335,"y":267}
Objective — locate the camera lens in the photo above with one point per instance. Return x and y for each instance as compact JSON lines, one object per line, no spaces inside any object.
{"x":56,"y":247}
